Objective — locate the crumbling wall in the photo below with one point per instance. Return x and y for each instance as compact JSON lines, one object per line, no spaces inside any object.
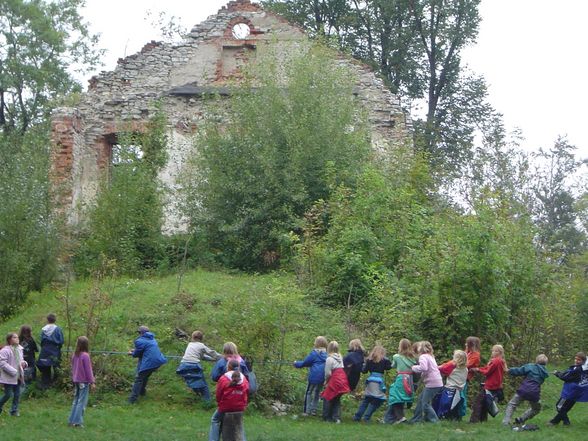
{"x":178,"y":75}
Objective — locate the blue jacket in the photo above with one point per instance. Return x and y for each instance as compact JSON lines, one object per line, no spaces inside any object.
{"x":51,"y":342}
{"x":220,"y":368}
{"x":147,"y":350}
{"x":533,"y":371}
{"x":316,"y":362}
{"x":575,"y":386}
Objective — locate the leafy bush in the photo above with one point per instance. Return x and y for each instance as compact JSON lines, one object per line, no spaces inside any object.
{"x":293,"y":133}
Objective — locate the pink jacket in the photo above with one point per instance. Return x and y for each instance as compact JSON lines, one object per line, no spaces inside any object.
{"x":429,"y":371}
{"x":10,"y":372}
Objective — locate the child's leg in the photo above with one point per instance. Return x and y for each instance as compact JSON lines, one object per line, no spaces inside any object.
{"x":428,"y":411}
{"x":336,"y":409}
{"x":531,"y":411}
{"x":215,"y":426}
{"x":418,"y":411}
{"x":361,"y":409}
{"x":327,"y":411}
{"x":7,"y":395}
{"x":374,"y":404}
{"x":510,"y":408}
{"x":477,"y":407}
{"x":204,"y":392}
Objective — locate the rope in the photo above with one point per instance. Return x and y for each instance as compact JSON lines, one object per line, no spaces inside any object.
{"x":179,"y":357}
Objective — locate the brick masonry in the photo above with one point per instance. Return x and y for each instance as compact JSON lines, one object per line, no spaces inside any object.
{"x":210,"y":56}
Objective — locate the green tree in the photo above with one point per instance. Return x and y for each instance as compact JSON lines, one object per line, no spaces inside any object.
{"x":286,"y":143}
{"x":556,"y":213}
{"x":417,"y":46}
{"x":28,"y":232}
{"x":39,"y":42}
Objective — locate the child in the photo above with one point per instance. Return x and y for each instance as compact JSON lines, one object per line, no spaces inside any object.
{"x":375,"y":387}
{"x":83,"y":380}
{"x":402,"y":390}
{"x":492,"y":387}
{"x":431,"y":377}
{"x":50,"y":355}
{"x":448,"y":404}
{"x":190,"y":368}
{"x":337,"y":384}
{"x":315,"y":361}
{"x":575,"y":389}
{"x":29,"y":349}
{"x":232,"y":392}
{"x":530,"y":389}
{"x":230,"y":352}
{"x":353,"y":362}
{"x":472,"y":349}
{"x":149,"y":358}
{"x":12,"y":367}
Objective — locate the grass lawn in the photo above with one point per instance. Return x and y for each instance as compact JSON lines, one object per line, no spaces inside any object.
{"x":161,"y":416}
{"x":245,"y":309}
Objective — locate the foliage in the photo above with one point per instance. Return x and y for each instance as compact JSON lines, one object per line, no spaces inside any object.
{"x":39,"y":41}
{"x":283,"y":147}
{"x":28,"y":226}
{"x":125,"y":222}
{"x":416,"y":45}
{"x":556,"y":208}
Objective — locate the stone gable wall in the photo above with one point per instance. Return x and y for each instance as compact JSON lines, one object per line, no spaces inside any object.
{"x":210,"y":56}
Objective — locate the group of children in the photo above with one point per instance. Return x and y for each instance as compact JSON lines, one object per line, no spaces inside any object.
{"x":330,"y":376}
{"x":415,"y":364}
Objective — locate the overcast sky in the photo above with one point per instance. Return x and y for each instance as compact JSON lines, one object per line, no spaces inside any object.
{"x":529,"y":51}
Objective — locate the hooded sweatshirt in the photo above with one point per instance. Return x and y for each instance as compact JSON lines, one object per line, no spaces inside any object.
{"x":147,"y":350}
{"x":232,"y":398}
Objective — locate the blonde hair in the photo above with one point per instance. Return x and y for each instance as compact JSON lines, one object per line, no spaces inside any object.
{"x":405,"y":348}
{"x":425,"y":347}
{"x":460,"y":358}
{"x":320,"y":342}
{"x":541,"y":359}
{"x":377,"y":354}
{"x":355,"y":345}
{"x":499,"y":349}
{"x":333,"y":347}
{"x":473,"y":344}
{"x":230,"y":348}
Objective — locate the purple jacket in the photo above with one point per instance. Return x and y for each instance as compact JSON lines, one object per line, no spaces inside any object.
{"x":81,"y":368}
{"x":10,"y":371}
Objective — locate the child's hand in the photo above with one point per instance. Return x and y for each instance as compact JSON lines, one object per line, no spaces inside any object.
{"x":93,"y":387}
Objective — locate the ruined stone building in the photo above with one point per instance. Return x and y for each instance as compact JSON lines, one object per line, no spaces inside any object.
{"x":178,"y":75}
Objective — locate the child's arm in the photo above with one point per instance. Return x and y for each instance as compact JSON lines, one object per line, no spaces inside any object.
{"x":328,"y":368}
{"x":519,"y":371}
{"x":491,"y":367}
{"x":447,"y":368}
{"x":5,"y":366}
{"x":421,"y":366}
{"x":210,"y":354}
{"x":307,"y":362}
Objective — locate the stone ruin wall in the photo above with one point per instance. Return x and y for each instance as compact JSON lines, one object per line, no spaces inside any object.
{"x":177,"y":75}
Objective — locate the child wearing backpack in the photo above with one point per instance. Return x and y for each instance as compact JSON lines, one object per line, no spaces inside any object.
{"x":449,"y":401}
{"x":315,"y":361}
{"x":529,"y":390}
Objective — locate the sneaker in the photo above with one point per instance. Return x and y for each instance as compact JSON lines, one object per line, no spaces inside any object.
{"x":401,"y":420}
{"x":519,"y":420}
{"x":15,"y":414}
{"x":304,"y":414}
{"x":337,"y":421}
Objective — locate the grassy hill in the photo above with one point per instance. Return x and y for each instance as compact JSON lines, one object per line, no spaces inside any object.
{"x":266,"y":316}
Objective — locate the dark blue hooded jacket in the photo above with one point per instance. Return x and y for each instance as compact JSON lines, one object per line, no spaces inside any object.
{"x":147,"y":350}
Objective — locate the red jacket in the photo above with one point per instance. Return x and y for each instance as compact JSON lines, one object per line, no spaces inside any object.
{"x":473,"y":362}
{"x":494,"y":373}
{"x":231,"y":398}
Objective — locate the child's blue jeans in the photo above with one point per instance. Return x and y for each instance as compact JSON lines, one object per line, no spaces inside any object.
{"x":11,"y":390}
{"x":80,"y":401}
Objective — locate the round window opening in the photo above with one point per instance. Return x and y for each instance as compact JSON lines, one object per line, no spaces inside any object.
{"x":241,"y":31}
